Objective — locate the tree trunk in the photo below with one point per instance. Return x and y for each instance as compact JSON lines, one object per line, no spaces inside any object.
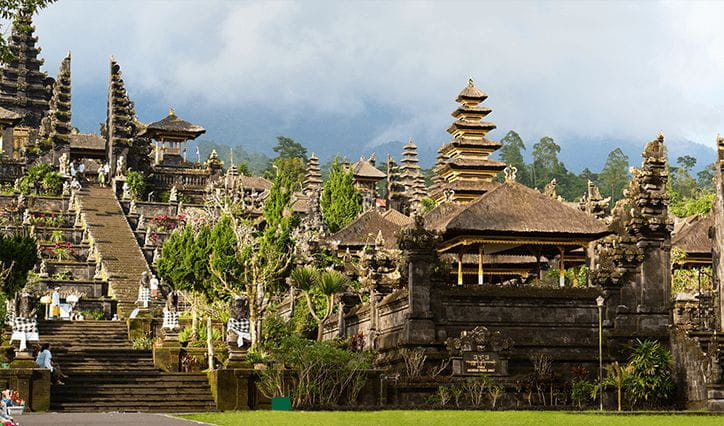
{"x":619,"y":398}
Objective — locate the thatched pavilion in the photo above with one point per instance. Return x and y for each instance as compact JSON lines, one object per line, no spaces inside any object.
{"x":514,"y":220}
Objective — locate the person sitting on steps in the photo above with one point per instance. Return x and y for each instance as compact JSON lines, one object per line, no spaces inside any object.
{"x":45,"y":360}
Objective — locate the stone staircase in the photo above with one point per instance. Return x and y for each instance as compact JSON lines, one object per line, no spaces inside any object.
{"x":107,"y":375}
{"x":121,"y":256}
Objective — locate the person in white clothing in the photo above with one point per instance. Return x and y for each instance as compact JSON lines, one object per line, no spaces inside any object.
{"x":45,"y":360}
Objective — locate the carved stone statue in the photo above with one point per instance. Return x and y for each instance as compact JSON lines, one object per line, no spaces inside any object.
{"x":64,"y":164}
{"x":132,"y":207}
{"x":120,"y":165}
{"x":126,"y":191}
{"x":173,"y":195}
{"x":66,"y":188}
{"x":26,"y":217}
{"x":43,"y":272}
{"x":238,"y":326}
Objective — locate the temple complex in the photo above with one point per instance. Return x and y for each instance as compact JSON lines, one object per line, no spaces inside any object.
{"x":485,"y":279}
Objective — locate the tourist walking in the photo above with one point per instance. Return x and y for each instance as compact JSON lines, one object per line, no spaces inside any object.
{"x":102,"y":175}
{"x":45,"y":360}
{"x":81,"y":170}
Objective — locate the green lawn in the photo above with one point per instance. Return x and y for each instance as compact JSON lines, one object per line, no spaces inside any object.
{"x":453,"y":418}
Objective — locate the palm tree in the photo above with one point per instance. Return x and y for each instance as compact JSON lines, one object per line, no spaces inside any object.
{"x":327,"y":283}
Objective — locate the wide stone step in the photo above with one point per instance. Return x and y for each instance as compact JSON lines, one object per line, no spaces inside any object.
{"x":105,"y":407}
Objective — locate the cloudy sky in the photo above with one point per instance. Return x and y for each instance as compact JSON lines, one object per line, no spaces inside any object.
{"x":345,"y":77}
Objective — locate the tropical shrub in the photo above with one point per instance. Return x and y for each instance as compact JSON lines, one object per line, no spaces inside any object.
{"x":651,"y":384}
{"x":136,"y":184}
{"x":315,"y":374}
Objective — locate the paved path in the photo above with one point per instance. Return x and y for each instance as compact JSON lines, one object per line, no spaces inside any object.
{"x":92,"y":419}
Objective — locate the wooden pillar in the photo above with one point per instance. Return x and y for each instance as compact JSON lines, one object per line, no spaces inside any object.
{"x":481,"y":251}
{"x":562,"y":269}
{"x":460,"y":267}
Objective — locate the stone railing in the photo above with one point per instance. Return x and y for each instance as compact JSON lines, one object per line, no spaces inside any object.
{"x":179,"y":177}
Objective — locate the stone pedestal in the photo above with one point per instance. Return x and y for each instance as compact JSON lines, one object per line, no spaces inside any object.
{"x":237,"y":357}
{"x":168,"y":356}
{"x":23,"y":359}
{"x":233,"y":389}
{"x":139,"y":326}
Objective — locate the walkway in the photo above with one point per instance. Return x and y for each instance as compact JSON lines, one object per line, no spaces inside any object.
{"x":122,"y":258}
{"x":93,"y":419}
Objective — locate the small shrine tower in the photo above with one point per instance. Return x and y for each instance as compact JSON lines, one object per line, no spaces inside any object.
{"x":171,"y":136}
{"x":464,"y":170}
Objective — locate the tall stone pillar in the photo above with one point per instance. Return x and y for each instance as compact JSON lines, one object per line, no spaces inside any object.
{"x":717,"y":231}
{"x":419,"y":247}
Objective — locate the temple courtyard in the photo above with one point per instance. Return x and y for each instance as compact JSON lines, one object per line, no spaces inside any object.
{"x":151,"y":276}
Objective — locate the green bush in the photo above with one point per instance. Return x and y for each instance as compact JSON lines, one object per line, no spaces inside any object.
{"x":320,"y":373}
{"x":93,"y":315}
{"x":651,"y":384}
{"x":136,"y":184}
{"x":582,"y":391}
{"x":142,"y":343}
{"x":41,"y":178}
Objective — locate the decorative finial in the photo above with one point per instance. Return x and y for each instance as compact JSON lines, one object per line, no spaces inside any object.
{"x":470,"y":82}
{"x":510,"y":173}
{"x":172,"y":111}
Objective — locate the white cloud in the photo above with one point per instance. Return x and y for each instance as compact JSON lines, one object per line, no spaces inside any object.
{"x":568,"y":69}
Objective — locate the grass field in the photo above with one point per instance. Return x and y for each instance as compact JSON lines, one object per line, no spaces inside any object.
{"x":453,"y":418}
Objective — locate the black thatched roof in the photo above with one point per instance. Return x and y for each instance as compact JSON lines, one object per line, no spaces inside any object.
{"x":364,"y":169}
{"x":9,"y":118}
{"x":515,"y":209}
{"x":365,"y":228}
{"x":174,"y":126}
{"x":692,"y":235}
{"x":87,"y":141}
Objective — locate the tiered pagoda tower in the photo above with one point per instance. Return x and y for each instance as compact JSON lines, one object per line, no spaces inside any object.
{"x":411,"y":177}
{"x":57,"y":125}
{"x":313,"y":179}
{"x":120,"y":126}
{"x":396,"y":197}
{"x":464,"y":170}
{"x":24,"y":89}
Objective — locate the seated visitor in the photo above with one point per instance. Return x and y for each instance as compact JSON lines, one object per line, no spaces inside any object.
{"x":45,"y":360}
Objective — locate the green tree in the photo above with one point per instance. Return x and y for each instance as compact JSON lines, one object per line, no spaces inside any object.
{"x":294,"y":169}
{"x":184,"y":266}
{"x":9,"y":9}
{"x":614,"y":176}
{"x":18,"y":254}
{"x":341,"y":202}
{"x":705,"y":177}
{"x":288,"y":148}
{"x":682,"y":183}
{"x":546,"y":165}
{"x":512,"y":155}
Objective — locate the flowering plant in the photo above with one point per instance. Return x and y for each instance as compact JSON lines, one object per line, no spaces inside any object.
{"x":63,"y":250}
{"x":165,"y":223}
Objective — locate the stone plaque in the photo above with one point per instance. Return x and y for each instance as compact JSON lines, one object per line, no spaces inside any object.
{"x":480,"y":363}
